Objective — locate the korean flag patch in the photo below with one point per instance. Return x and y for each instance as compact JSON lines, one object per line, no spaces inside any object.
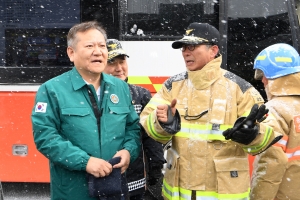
{"x":41,"y":107}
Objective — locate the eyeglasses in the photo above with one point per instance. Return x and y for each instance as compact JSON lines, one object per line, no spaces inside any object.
{"x":192,"y":47}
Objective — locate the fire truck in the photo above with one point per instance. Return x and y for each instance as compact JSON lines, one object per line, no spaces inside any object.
{"x":33,"y":50}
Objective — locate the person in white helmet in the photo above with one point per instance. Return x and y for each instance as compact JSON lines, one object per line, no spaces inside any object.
{"x":276,"y":172}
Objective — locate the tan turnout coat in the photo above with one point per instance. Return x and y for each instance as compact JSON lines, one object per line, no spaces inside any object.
{"x":200,"y":158}
{"x":276,"y":172}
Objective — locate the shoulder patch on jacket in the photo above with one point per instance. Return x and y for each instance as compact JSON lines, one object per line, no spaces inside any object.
{"x":175,"y":78}
{"x":244,"y":85}
{"x":297,"y":123}
{"x":256,"y":95}
{"x":41,"y":107}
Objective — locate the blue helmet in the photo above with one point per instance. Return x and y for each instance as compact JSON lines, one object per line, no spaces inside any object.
{"x":277,"y":60}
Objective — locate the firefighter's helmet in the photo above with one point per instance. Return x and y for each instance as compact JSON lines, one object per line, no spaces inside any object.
{"x":276,"y":60}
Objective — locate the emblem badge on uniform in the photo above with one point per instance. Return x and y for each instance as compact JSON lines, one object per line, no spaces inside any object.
{"x":114,"y":98}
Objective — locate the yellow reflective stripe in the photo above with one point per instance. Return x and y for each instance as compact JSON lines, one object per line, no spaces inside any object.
{"x":139,"y":80}
{"x":187,"y":127}
{"x":255,"y":149}
{"x":203,"y":126}
{"x":261,"y":57}
{"x":178,"y":193}
{"x":200,"y":136}
{"x":150,"y":125}
{"x":170,"y":192}
{"x":202,"y":131}
{"x":283,"y":59}
{"x":154,"y":102}
{"x":211,"y":195}
{"x":184,"y":193}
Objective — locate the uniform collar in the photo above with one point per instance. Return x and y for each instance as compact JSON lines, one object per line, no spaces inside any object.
{"x":285,"y":86}
{"x":78,"y":82}
{"x":203,"y":78}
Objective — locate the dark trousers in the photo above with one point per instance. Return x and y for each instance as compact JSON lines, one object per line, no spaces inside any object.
{"x":137,"y":197}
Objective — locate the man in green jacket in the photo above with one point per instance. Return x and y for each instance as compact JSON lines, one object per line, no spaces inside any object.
{"x":84,"y":117}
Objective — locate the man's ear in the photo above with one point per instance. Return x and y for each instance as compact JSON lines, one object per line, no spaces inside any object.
{"x":215,"y":50}
{"x":70,"y":52}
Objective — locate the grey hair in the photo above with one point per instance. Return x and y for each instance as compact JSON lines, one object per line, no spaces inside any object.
{"x":82,"y":27}
{"x":210,"y":45}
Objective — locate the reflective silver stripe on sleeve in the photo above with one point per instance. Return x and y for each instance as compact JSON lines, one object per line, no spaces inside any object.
{"x":134,"y":185}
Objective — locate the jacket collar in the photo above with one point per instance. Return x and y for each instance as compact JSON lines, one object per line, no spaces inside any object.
{"x":203,"y":78}
{"x":285,"y":86}
{"x":78,"y":82}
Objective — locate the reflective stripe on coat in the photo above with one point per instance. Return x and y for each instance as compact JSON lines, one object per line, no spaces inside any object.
{"x":200,"y":158}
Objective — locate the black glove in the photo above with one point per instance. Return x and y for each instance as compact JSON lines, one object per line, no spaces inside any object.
{"x":245,"y":129}
{"x":154,"y":174}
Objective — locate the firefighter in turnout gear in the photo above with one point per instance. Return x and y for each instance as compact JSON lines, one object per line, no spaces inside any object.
{"x":276,"y":172}
{"x":151,"y":157}
{"x":193,"y":109}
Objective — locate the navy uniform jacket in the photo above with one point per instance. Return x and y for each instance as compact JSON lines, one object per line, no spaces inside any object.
{"x":66,"y":132}
{"x":152,"y":150}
